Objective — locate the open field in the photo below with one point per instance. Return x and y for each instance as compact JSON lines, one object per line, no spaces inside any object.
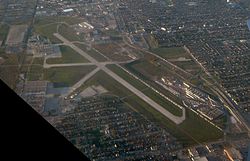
{"x":171,"y":53}
{"x":56,"y":19}
{"x":91,"y":52}
{"x":149,"y":69}
{"x":38,"y":61}
{"x":35,"y":72}
{"x":47,"y":26}
{"x":4,"y":29}
{"x":9,"y":70}
{"x":33,"y":68}
{"x":69,"y":33}
{"x":189,"y":66}
{"x":120,"y":72}
{"x":146,"y":90}
{"x":179,"y":57}
{"x":194,"y":129}
{"x":112,"y":32}
{"x":68,"y":56}
{"x":67,"y":76}
{"x":47,"y":31}
{"x":112,"y":51}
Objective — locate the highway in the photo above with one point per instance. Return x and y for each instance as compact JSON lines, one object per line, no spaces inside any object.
{"x":134,"y":90}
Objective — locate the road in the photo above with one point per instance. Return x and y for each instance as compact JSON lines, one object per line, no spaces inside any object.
{"x":45,"y":65}
{"x":138,"y":93}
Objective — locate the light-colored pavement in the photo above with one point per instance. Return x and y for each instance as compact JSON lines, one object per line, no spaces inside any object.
{"x":66,"y":65}
{"x":45,"y":65}
{"x":101,"y":66}
{"x":73,"y":64}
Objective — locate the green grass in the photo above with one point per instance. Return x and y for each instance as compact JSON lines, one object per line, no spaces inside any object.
{"x":192,"y":131}
{"x":69,"y":33}
{"x":68,"y":56}
{"x":112,"y":32}
{"x":175,"y":53}
{"x":48,"y":31}
{"x":147,"y":91}
{"x":171,"y":53}
{"x":149,"y":70}
{"x":189,"y":66}
{"x":35,"y":72}
{"x":4,"y":30}
{"x":123,"y":74}
{"x":46,"y":26}
{"x":67,"y":76}
{"x":55,"y":19}
{"x":9,"y":70}
{"x":38,"y":61}
{"x":200,"y":129}
{"x":91,"y":52}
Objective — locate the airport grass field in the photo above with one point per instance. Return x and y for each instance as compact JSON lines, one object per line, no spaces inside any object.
{"x":171,"y":53}
{"x":48,"y":26}
{"x":47,"y":31}
{"x":67,"y":76}
{"x":91,"y":52}
{"x":35,"y":72}
{"x":69,"y":33}
{"x":38,"y":61}
{"x":68,"y":56}
{"x":4,"y":29}
{"x":56,"y":19}
{"x":9,"y":69}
